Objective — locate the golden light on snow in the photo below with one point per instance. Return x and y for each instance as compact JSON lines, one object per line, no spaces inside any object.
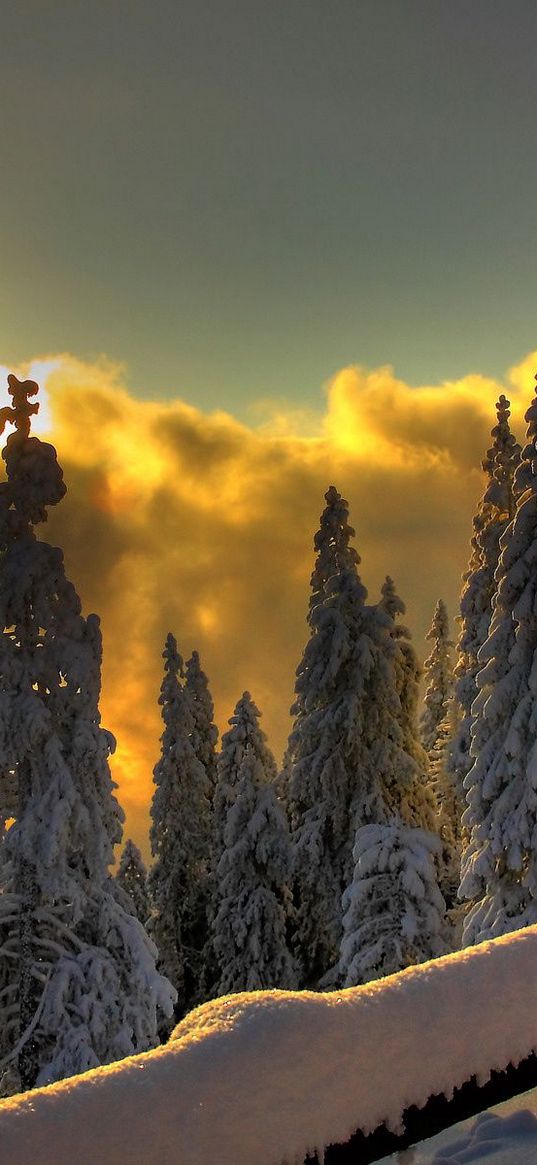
{"x":200,"y":525}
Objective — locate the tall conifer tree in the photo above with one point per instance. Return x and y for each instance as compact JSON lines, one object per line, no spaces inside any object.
{"x":244,"y":732}
{"x":494,"y":514}
{"x":348,"y":764}
{"x":499,"y":868}
{"x":252,"y":894}
{"x":333,"y":553}
{"x":419,"y":803}
{"x":132,"y":877}
{"x":438,"y":669}
{"x":204,"y":730}
{"x":327,"y":756}
{"x":180,"y":840}
{"x":78,"y":983}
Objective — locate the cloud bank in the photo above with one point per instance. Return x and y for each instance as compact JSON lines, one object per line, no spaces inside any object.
{"x":199,"y":524}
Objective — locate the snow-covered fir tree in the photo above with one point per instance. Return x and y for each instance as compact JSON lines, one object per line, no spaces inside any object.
{"x":78,"y":981}
{"x":244,"y":732}
{"x":348,"y":765}
{"x":438,"y":670}
{"x":499,"y":868}
{"x":132,"y":877}
{"x":204,"y":730}
{"x":180,"y":841}
{"x":428,"y":803}
{"x":393,"y":909}
{"x":494,"y":514}
{"x":420,"y":804}
{"x":449,"y":809}
{"x":333,"y":553}
{"x":327,"y":755}
{"x":252,"y":893}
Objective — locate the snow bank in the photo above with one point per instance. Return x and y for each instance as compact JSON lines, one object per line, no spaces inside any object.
{"x":508,"y":1140}
{"x":260,"y":1079}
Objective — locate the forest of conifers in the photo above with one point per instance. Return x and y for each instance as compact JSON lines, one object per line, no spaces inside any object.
{"x":392,"y":833}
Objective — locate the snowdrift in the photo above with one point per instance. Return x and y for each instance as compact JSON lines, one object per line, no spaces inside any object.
{"x":264,"y":1078}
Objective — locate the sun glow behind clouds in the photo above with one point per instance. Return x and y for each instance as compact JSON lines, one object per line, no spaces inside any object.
{"x":198,"y":524}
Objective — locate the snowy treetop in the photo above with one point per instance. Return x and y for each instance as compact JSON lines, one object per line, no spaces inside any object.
{"x":390,"y":601}
{"x":501,"y":462}
{"x":331,"y":543}
{"x":527,"y":470}
{"x":20,"y":412}
{"x":35,"y":480}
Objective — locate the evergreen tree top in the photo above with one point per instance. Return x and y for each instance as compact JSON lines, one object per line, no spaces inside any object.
{"x":331,"y":543}
{"x":503,"y":414}
{"x":245,"y":710}
{"x":131,"y":855}
{"x":390,"y":601}
{"x":439,"y":628}
{"x":172,"y":660}
{"x":34,"y":477}
{"x":244,"y":732}
{"x":205,"y":732}
{"x":20,"y":412}
{"x":198,"y":688}
{"x":439,"y":677}
{"x":193,"y":666}
{"x":501,"y":461}
{"x":170,"y":691}
{"x":526,"y":474}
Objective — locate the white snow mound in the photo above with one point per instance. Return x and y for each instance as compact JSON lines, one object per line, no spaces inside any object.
{"x":510,"y":1140}
{"x":263,"y":1078}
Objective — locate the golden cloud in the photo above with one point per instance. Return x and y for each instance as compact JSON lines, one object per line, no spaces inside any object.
{"x":198,"y":524}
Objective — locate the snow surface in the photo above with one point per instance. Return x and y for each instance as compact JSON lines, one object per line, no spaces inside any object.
{"x":505,"y":1135}
{"x":263,"y":1078}
{"x":510,"y":1140}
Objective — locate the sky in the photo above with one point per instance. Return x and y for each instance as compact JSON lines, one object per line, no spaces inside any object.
{"x":251,"y":250}
{"x":235,"y":199}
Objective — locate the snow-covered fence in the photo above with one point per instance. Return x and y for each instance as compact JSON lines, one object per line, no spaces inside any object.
{"x":265,"y":1078}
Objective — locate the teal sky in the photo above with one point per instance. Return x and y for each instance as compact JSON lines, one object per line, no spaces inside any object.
{"x":238,"y":197}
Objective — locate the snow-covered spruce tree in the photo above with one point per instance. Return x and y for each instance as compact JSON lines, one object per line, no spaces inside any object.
{"x":499,"y":867}
{"x":393,"y":909}
{"x":327,"y":756}
{"x":253,"y":898}
{"x":449,"y":810}
{"x":420,"y":803}
{"x":494,"y":514}
{"x":429,"y":804}
{"x":438,"y":670}
{"x":348,"y":765}
{"x":204,"y":731}
{"x":334,"y":553}
{"x":78,"y":982}
{"x":132,"y":877}
{"x":180,"y":841}
{"x":244,"y":732}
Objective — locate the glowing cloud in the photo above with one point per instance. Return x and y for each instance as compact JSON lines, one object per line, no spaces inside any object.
{"x":201,"y":525}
